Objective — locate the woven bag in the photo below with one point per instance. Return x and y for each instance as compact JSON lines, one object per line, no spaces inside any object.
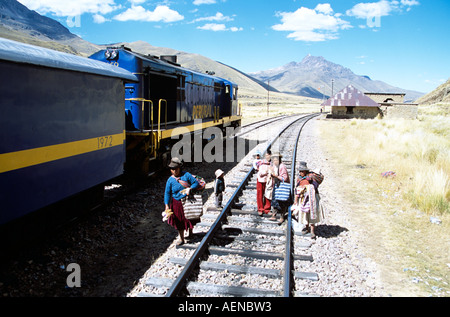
{"x":283,"y":192}
{"x":193,"y":207}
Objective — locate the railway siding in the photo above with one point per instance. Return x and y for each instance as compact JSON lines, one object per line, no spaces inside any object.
{"x":246,"y":257}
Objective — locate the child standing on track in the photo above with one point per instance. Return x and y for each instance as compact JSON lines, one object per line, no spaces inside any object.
{"x":263,"y":202}
{"x":219,"y":188}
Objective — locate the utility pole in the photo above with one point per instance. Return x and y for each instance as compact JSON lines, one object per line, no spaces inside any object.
{"x":268,"y":96}
{"x":332,"y":88}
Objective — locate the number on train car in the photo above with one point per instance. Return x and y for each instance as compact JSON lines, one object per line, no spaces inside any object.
{"x":105,"y":142}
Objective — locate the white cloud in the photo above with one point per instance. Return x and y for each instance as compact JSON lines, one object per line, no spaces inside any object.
{"x":218,"y":17}
{"x":372,"y":9}
{"x":160,"y":14}
{"x":324,"y":8}
{"x":200,"y":2}
{"x":312,"y":25}
{"x":213,"y":27}
{"x":99,"y":19}
{"x":380,"y":8}
{"x":236,"y":29}
{"x":71,"y":8}
{"x":410,"y":2}
{"x":218,"y":27}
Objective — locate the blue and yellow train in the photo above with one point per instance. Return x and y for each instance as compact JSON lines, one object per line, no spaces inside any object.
{"x":166,"y":98}
{"x":63,"y":128}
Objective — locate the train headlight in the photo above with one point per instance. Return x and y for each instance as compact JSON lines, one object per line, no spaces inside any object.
{"x":114,"y":54}
{"x":111,"y":54}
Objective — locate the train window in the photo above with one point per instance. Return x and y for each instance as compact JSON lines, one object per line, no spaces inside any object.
{"x":227,"y":89}
{"x":217,"y":87}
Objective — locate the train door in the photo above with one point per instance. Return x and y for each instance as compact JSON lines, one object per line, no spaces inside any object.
{"x":226,"y":102}
{"x":181,"y":99}
{"x":162,"y":90}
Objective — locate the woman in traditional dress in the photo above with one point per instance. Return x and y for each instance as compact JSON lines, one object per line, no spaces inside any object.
{"x":307,"y":201}
{"x":279,"y":173}
{"x":178,"y":186}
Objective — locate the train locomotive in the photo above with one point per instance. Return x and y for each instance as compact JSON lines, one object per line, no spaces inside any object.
{"x":69,"y":124}
{"x":166,"y":98}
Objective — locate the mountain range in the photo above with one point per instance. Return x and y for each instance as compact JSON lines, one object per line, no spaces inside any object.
{"x":312,"y":77}
{"x":317,"y":77}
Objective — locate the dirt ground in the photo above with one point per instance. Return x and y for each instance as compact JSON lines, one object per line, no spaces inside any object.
{"x":116,"y":245}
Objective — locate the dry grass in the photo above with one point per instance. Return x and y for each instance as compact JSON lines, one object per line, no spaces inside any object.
{"x":394,"y":212}
{"x":255,"y":109}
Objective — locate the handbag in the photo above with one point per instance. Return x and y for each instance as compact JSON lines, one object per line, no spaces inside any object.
{"x":283,"y":192}
{"x":193,"y":207}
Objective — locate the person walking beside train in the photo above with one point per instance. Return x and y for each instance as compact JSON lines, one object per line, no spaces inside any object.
{"x":262,"y":201}
{"x":178,"y":186}
{"x":280,"y":176}
{"x":307,"y":200}
{"x":219,"y":188}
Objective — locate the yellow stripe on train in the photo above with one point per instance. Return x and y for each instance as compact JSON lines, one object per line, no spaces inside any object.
{"x":202,"y":111}
{"x":26,"y":158}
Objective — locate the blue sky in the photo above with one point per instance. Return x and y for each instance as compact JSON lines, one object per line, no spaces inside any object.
{"x":402,"y":42}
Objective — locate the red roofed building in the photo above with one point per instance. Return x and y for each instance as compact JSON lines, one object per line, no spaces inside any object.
{"x":352,"y":103}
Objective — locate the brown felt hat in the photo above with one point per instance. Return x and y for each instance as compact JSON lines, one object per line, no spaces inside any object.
{"x":175,"y":162}
{"x":303,"y":167}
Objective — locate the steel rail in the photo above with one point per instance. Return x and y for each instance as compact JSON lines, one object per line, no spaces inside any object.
{"x":193,"y":262}
{"x":289,"y":255}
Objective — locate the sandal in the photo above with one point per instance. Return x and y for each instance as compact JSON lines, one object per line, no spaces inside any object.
{"x":273,"y":218}
{"x":180,"y":243}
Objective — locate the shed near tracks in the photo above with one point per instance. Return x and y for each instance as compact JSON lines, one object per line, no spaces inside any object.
{"x":393,"y":105}
{"x":352,"y":103}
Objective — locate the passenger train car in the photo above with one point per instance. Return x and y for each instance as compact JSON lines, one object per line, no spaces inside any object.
{"x":69,"y":124}
{"x":166,"y":98}
{"x":62,"y":128}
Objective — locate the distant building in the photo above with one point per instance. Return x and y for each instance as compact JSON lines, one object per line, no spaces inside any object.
{"x":352,"y":103}
{"x":382,"y":97}
{"x":393,"y":105}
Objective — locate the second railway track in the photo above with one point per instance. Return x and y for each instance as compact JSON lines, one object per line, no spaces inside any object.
{"x":238,"y":245}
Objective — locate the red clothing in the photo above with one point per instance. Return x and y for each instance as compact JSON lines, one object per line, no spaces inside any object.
{"x":300,"y":184}
{"x":178,"y":220}
{"x":263,"y":203}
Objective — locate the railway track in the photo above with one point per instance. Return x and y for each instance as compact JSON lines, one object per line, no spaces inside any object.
{"x":238,"y":244}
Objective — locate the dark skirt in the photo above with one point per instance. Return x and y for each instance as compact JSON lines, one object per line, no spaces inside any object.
{"x":178,"y":220}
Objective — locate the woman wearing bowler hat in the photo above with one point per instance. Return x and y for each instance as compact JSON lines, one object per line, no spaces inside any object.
{"x":279,"y":173}
{"x":178,"y":186}
{"x":307,"y":200}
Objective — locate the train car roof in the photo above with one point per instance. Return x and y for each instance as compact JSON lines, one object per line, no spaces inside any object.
{"x":29,"y":54}
{"x":178,"y":67}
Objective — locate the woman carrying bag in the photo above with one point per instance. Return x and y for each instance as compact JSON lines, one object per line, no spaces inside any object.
{"x":179,"y":186}
{"x":281,"y":188}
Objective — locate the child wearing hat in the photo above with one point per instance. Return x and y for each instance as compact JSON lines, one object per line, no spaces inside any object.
{"x":219,"y":188}
{"x":257,"y":160}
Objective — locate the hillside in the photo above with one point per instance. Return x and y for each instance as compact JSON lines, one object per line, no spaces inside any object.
{"x":200,"y":64}
{"x":18,"y":23}
{"x":439,"y":95}
{"x":292,"y":83}
{"x":315,"y":72}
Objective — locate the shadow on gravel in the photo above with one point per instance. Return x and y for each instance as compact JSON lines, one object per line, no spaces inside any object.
{"x":329,"y":231}
{"x":113,"y":247}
